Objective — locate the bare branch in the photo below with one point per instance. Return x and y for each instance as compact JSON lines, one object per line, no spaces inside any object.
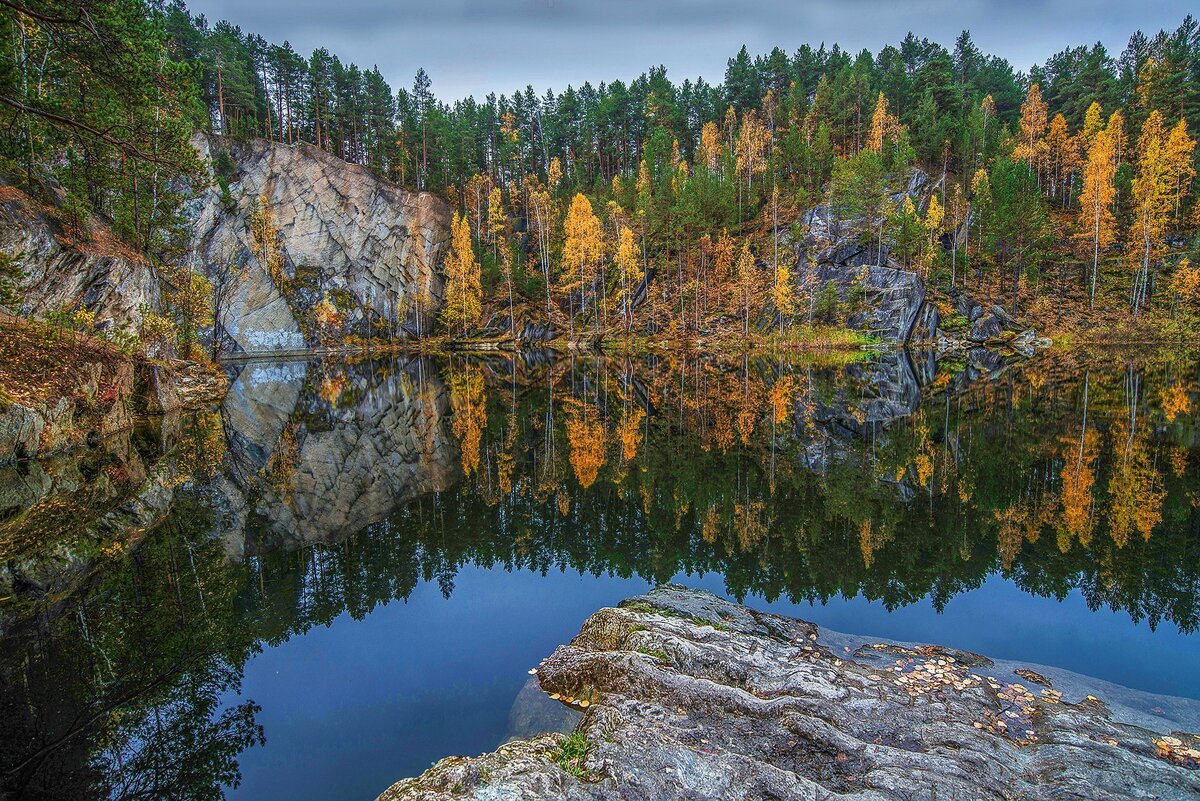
{"x":81,"y":16}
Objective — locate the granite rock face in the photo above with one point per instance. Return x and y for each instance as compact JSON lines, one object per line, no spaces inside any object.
{"x":838,"y":251}
{"x":20,"y":433}
{"x":691,"y":696}
{"x":895,"y":299}
{"x":370,"y":245}
{"x":67,"y":268}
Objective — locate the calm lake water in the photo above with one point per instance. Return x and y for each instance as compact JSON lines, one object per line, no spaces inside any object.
{"x":344,"y":572}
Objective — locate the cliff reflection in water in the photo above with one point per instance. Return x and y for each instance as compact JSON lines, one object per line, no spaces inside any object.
{"x":800,"y":480}
{"x":319,"y":489}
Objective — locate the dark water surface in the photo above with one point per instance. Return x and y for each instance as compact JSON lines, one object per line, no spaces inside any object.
{"x":345,"y":572}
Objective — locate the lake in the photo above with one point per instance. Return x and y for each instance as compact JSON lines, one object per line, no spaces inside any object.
{"x":345,"y":572}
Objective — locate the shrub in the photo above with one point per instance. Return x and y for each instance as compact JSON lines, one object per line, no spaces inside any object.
{"x":10,"y":279}
{"x":826,"y":307}
{"x":156,"y":330}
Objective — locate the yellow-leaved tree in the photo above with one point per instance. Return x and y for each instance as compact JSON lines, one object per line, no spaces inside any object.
{"x":751,"y":152}
{"x":1062,"y":152}
{"x":189,"y":296}
{"x":583,"y":247}
{"x":464,"y":292}
{"x":1151,"y":206}
{"x":629,"y":272}
{"x":708,"y":154}
{"x":935,"y":215}
{"x":884,"y":126}
{"x":783,"y":293}
{"x":746,"y":272}
{"x":1031,"y":148}
{"x":1093,"y":123}
{"x":1180,"y":172}
{"x":265,"y":244}
{"x":1095,"y":221}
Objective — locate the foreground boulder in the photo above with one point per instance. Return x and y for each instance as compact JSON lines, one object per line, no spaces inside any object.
{"x":690,"y":696}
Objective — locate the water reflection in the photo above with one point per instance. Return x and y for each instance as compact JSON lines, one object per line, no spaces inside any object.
{"x":139,"y":579}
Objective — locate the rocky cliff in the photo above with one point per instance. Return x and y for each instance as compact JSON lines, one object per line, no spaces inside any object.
{"x":686,"y":695}
{"x":370,"y":246}
{"x":894,"y":304}
{"x":68,"y":267}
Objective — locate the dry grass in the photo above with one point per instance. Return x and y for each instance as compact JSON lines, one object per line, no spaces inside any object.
{"x":39,"y":364}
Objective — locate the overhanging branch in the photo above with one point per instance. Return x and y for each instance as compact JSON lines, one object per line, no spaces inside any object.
{"x":104,"y":136}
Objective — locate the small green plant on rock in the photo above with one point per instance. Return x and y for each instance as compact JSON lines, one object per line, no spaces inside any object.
{"x":654,"y":652}
{"x":639,"y":606}
{"x":571,"y":755}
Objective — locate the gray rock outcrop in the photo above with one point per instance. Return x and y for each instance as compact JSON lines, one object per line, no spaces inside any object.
{"x":67,"y":268}
{"x":892,"y":300}
{"x":893,"y":305}
{"x":371,"y":245}
{"x":687,"y":695}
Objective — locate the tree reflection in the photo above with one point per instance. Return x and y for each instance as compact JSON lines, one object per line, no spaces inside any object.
{"x":805,"y":480}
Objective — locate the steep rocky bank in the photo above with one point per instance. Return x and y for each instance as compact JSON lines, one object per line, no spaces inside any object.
{"x":896,"y":305}
{"x":690,"y":696}
{"x":64,"y":389}
{"x":68,"y":267}
{"x":370,"y":246}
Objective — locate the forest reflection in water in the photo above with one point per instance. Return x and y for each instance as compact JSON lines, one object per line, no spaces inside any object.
{"x":141,"y":578}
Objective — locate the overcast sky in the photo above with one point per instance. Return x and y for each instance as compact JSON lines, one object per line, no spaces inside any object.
{"x":481,"y":46}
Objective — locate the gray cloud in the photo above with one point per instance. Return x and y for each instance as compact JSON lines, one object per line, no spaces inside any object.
{"x":481,"y":46}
